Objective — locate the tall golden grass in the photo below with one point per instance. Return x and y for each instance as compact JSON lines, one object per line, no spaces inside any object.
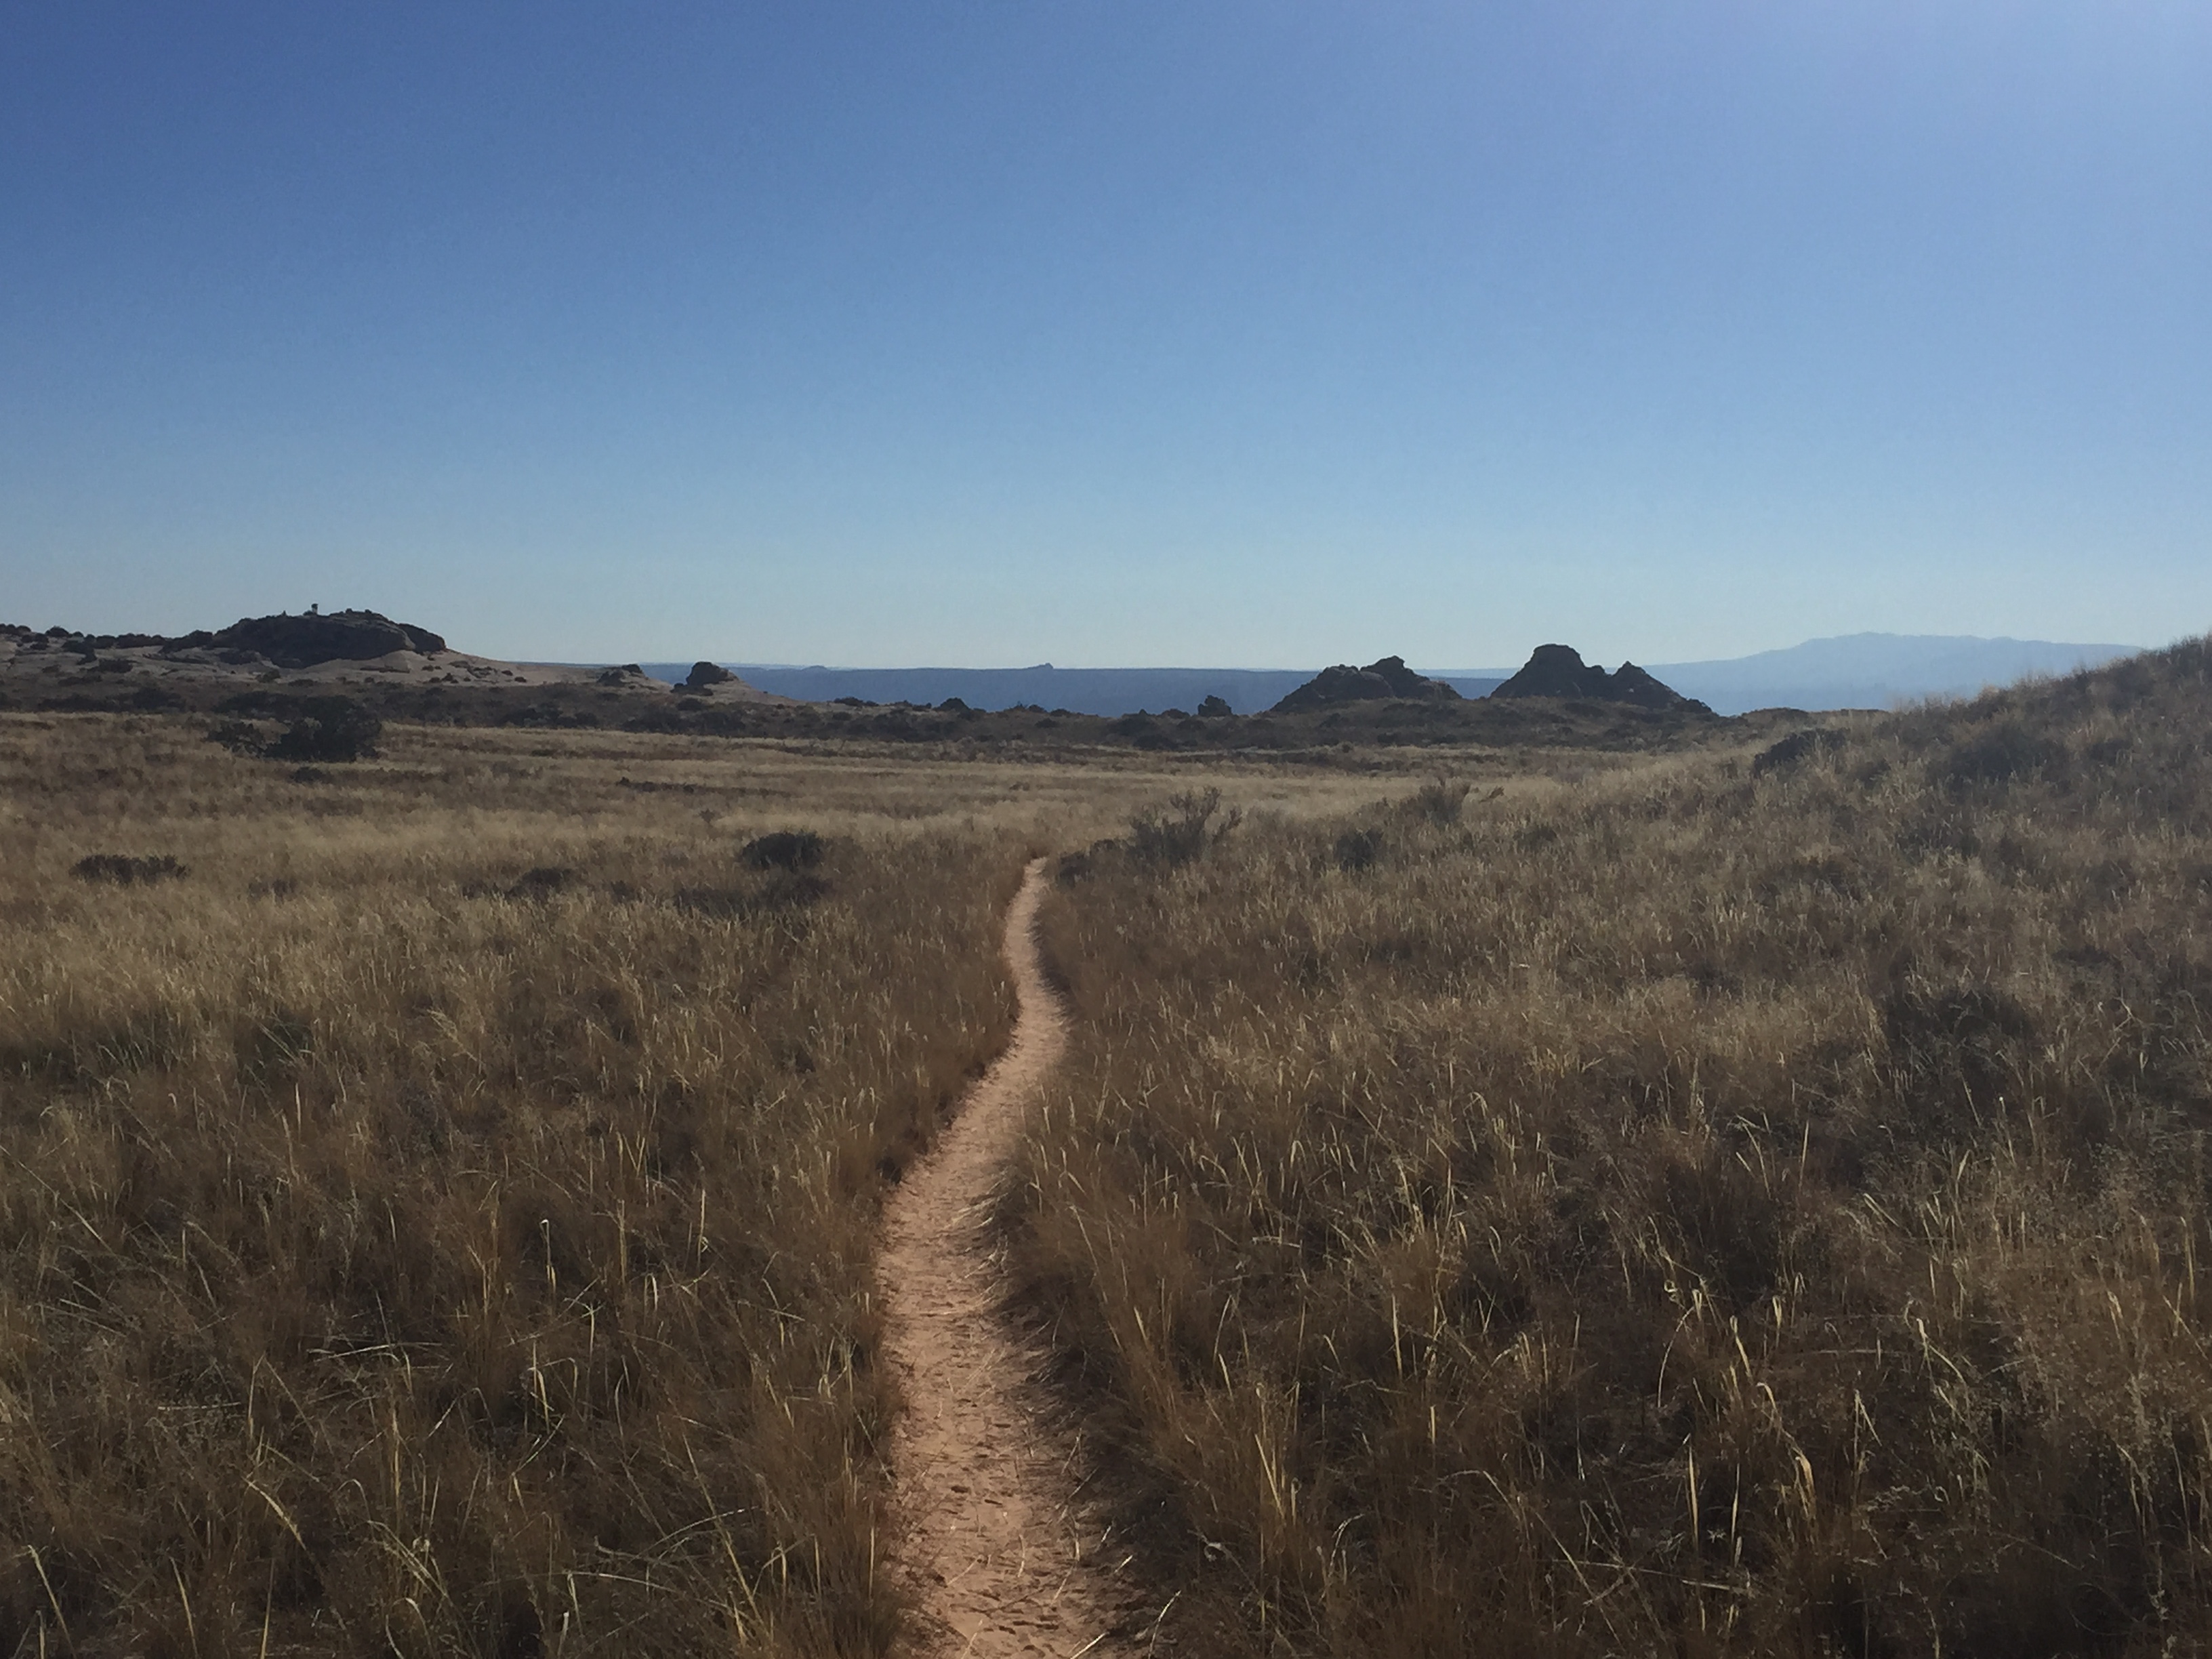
{"x":437,"y":1195}
{"x":440,"y":1220}
{"x":1738,"y":1204}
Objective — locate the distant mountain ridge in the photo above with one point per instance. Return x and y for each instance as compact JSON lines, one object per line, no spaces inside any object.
{"x":1857,"y":671}
{"x":1875,"y":671}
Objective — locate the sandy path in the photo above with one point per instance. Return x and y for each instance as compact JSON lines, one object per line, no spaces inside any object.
{"x":999,"y":1556}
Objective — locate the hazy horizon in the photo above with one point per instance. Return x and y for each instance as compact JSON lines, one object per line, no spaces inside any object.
{"x":1471,"y":671}
{"x":1915,"y":646}
{"x":1863,"y":670}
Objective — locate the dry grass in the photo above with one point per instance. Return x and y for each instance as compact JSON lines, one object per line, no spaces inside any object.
{"x":1708,"y":1207}
{"x":440,"y":1220}
{"x":437,"y":1195}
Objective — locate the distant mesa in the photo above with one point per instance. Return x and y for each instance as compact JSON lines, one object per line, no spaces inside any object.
{"x":1558,"y":671}
{"x":283,"y":640}
{"x":1388,"y":677}
{"x":302,"y":641}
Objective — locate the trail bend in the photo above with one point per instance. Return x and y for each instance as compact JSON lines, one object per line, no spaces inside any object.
{"x":992,"y":1540}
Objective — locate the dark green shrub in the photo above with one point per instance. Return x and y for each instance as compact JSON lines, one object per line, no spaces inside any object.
{"x":784,"y":849}
{"x":1358,"y":849}
{"x":330,"y":729}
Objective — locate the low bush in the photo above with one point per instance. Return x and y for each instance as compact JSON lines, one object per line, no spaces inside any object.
{"x":1999,"y":752}
{"x":329,"y":730}
{"x":1789,"y":750}
{"x":1438,"y":801}
{"x":784,"y":849}
{"x":125,"y":870}
{"x":1182,"y":829}
{"x":543,"y":881}
{"x":1358,"y":849}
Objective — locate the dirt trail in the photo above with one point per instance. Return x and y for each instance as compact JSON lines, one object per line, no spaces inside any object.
{"x":994,"y":1546}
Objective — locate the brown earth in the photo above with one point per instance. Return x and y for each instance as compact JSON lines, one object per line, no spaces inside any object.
{"x":997,"y":1550}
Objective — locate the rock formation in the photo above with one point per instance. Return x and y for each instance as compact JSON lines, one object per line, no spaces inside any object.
{"x":1558,"y":671}
{"x":1388,"y":677}
{"x":302,"y":641}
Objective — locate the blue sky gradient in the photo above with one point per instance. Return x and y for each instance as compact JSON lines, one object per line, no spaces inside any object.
{"x":1250,"y":334}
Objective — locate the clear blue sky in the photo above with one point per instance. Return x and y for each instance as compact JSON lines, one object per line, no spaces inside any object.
{"x":1108,"y":332}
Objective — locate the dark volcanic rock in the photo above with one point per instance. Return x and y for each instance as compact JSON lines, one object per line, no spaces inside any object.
{"x":706,"y":674}
{"x":1388,"y":677}
{"x":1631,"y":685}
{"x":1558,"y":671}
{"x":341,"y":637}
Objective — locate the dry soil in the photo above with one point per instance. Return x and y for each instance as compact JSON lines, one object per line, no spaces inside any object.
{"x":1001,"y":1559}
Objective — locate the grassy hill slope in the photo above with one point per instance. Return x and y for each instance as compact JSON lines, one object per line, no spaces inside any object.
{"x":1748,"y":1201}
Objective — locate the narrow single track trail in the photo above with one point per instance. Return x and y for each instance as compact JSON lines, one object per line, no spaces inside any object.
{"x":997,"y":1552}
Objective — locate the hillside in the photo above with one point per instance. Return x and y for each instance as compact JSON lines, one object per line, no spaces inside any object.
{"x":1876,"y":670}
{"x":1748,"y":1202}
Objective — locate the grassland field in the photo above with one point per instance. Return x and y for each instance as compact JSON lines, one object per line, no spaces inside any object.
{"x":436,"y":1193}
{"x":1717,"y":1195}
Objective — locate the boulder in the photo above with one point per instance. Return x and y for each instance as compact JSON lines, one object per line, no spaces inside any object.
{"x":705,"y":675}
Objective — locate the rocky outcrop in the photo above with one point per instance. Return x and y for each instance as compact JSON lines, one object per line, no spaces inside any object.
{"x":286,"y":640}
{"x":412,"y":671}
{"x":1388,"y":677}
{"x":1632,"y":684}
{"x":1558,"y":671}
{"x":292,"y":642}
{"x":704,"y":676}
